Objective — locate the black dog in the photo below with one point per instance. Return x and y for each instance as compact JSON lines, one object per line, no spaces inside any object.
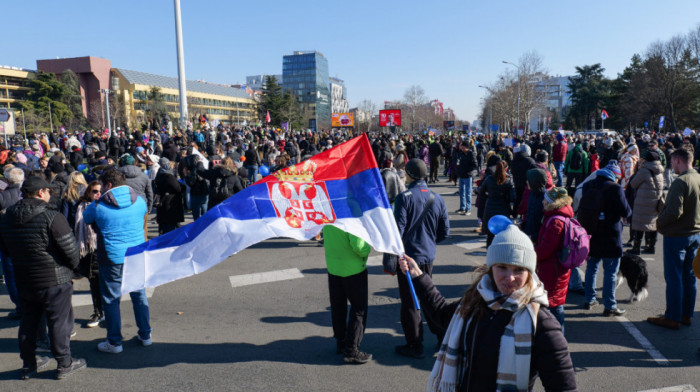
{"x":634,"y":269}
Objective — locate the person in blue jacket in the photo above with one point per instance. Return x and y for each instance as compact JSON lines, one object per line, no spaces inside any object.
{"x":419,"y":243}
{"x":118,"y":215}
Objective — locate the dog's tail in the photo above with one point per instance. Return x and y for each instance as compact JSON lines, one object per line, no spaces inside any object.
{"x":643,"y":294}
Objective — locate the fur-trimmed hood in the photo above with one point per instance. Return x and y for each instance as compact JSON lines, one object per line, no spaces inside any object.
{"x":559,"y":204}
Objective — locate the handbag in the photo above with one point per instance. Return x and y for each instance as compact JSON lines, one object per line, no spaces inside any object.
{"x":390,"y":262}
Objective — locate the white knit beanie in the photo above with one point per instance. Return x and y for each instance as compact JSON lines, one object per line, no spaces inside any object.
{"x":512,"y":247}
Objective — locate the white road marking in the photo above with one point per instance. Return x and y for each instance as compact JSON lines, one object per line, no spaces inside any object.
{"x":472,"y":244}
{"x":643,"y":341}
{"x":86,"y":299}
{"x":265,"y":277}
{"x":648,"y":258}
{"x":677,"y":388}
{"x":374,"y":260}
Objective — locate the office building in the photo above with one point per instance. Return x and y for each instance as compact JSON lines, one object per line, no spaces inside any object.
{"x":339,"y":98}
{"x":257,"y":82}
{"x":13,"y":84}
{"x":306,"y":75}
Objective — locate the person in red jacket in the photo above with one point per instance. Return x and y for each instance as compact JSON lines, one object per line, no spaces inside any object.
{"x":549,"y":245}
{"x":559,"y":156}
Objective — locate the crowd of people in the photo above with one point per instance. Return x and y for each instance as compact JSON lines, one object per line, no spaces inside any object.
{"x":83,"y":198}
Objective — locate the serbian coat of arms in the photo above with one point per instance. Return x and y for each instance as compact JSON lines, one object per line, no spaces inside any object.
{"x":298,"y":198}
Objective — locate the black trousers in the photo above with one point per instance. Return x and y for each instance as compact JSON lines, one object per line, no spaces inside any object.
{"x":349,"y":329}
{"x":434,"y":168}
{"x":410,"y":317}
{"x":573,"y":180}
{"x":88,"y":268}
{"x":56,"y":302}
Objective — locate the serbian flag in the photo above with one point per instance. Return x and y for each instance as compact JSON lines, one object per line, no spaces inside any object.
{"x":341,"y":186}
{"x":604,"y":114}
{"x":267,"y":117}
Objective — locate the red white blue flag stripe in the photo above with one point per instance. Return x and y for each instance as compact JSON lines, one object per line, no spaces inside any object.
{"x":341,"y":187}
{"x":604,"y":114}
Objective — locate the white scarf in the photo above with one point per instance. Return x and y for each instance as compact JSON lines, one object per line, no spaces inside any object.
{"x":516,"y":342}
{"x":86,"y":237}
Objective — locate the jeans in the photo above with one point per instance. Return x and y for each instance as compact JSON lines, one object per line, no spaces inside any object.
{"x":349,"y":328}
{"x":252,"y":173}
{"x":110,"y":286}
{"x":9,"y":272}
{"x":678,"y":272}
{"x":559,"y":167}
{"x":199,"y":205}
{"x":558,"y":313}
{"x":575,"y":281}
{"x":465,"y":194}
{"x":610,"y":267}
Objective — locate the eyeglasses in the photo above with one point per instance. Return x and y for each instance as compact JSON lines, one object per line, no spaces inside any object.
{"x":95,"y":191}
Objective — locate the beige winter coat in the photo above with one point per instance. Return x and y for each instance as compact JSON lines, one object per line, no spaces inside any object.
{"x":648,"y":191}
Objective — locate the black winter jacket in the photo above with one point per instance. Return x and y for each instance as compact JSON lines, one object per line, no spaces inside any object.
{"x":466,"y":165}
{"x":41,"y":244}
{"x":606,"y":241}
{"x":215,"y":177}
{"x":519,"y":167}
{"x":171,"y":210}
{"x":550,"y":357}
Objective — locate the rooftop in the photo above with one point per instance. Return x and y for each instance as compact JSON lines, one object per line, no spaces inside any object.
{"x":148,"y":79}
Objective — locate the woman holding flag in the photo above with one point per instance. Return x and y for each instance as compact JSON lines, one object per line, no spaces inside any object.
{"x":500,"y":335}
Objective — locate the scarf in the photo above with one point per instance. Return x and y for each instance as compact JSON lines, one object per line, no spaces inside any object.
{"x":516,"y":343}
{"x":86,"y":237}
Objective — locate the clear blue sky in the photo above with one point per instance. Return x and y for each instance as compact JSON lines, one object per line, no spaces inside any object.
{"x":379,"y":48}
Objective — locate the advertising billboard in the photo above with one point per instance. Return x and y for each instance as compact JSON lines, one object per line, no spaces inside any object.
{"x":339,"y":120}
{"x":390,"y":118}
{"x":449,"y":124}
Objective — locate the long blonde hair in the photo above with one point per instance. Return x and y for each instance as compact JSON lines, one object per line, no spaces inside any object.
{"x":76,"y":186}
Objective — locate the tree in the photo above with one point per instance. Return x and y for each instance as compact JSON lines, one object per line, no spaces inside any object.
{"x":589,"y":89}
{"x":290,"y":111}
{"x":48,"y":93}
{"x":414,"y":100}
{"x":156,"y":106}
{"x":73,"y":99}
{"x":273,"y":101}
{"x":366,"y":109}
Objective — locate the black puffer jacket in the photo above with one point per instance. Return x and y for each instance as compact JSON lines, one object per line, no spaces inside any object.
{"x":550,"y":358}
{"x":41,"y":244}
{"x":219,"y":192}
{"x":171,"y":210}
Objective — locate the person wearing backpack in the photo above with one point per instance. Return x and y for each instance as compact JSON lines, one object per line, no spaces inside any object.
{"x":602,"y":208}
{"x":575,"y":167}
{"x":550,"y":241}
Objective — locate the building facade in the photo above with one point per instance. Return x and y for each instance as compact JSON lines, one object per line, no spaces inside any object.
{"x":93,"y":75}
{"x":557,"y":100}
{"x":257,"y":82}
{"x":306,"y":75}
{"x":13,"y":84}
{"x":339,"y":97}
{"x":228,"y":105}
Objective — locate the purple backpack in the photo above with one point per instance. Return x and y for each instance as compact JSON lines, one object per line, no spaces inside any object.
{"x":576,"y":243}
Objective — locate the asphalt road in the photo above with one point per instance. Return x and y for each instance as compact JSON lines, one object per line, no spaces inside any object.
{"x":211,"y":336}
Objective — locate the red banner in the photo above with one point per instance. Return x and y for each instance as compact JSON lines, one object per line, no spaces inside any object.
{"x":390,"y":118}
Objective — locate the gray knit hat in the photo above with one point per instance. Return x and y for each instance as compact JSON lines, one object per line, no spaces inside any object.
{"x":512,"y":247}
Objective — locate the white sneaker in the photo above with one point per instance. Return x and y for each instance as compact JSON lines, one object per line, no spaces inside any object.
{"x":107,"y":347}
{"x":145,"y":342}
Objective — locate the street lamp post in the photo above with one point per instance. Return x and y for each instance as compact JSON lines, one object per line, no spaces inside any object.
{"x":182,"y":83}
{"x":106,"y":92}
{"x":518,"y":118}
{"x":490,"y":107}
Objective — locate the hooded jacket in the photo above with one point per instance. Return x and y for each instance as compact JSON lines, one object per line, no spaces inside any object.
{"x":648,"y":183}
{"x":583,"y":169}
{"x":41,"y":244}
{"x":138,"y":181}
{"x":118,"y":215}
{"x":549,"y":245}
{"x":606,"y":241}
